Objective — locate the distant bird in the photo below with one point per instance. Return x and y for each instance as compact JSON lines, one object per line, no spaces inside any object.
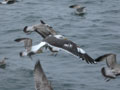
{"x":79,"y":10}
{"x":41,"y":81}
{"x":3,"y":63}
{"x":8,"y":2}
{"x":43,"y":29}
{"x":113,"y":69}
{"x":29,"y":49}
{"x":59,"y":42}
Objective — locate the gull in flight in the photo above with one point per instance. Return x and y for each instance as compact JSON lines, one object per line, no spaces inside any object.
{"x":79,"y":10}
{"x":42,"y":29}
{"x":113,"y":68}
{"x":29,"y":49}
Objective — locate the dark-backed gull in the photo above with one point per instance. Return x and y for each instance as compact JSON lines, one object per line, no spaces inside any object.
{"x":113,"y":69}
{"x":29,"y":49}
{"x":79,"y":10}
{"x":59,"y":42}
{"x":8,"y":2}
{"x":41,"y":81}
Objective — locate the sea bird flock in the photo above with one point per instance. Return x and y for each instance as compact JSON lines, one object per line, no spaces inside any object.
{"x":56,"y":42}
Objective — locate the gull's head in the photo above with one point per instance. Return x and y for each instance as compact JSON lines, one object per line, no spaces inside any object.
{"x":28,"y":29}
{"x":23,"y":54}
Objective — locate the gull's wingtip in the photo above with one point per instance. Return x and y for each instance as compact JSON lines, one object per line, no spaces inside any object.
{"x":89,"y":59}
{"x":42,"y":21}
{"x":37,"y":65}
{"x":17,"y":40}
{"x":25,"y":29}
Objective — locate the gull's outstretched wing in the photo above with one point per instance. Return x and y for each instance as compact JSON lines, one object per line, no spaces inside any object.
{"x":110,"y":59}
{"x":41,"y":82}
{"x":27,"y":42}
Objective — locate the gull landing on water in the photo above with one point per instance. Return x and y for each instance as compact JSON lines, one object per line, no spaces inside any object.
{"x":79,"y":10}
{"x":41,"y":82}
{"x":113,"y":69}
{"x":29,"y":49}
{"x":8,"y":2}
{"x":59,"y":42}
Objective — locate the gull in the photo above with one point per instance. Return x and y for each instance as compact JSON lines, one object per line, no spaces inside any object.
{"x":29,"y":49}
{"x":42,"y":29}
{"x":113,"y":68}
{"x":59,"y":42}
{"x":8,"y":2}
{"x":79,"y":10}
{"x":3,"y":63}
{"x":41,"y":81}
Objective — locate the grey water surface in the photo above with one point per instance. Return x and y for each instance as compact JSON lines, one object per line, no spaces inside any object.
{"x":97,"y":32}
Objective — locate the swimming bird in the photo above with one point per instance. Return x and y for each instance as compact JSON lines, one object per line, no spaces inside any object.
{"x":29,"y":49}
{"x":8,"y":2}
{"x":41,"y":81}
{"x":79,"y":10}
{"x":3,"y":63}
{"x":113,"y":68}
{"x":59,"y":42}
{"x":42,"y":29}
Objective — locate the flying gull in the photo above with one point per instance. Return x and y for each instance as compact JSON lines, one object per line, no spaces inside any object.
{"x":59,"y":42}
{"x":8,"y":2}
{"x":3,"y":63}
{"x":41,"y":81}
{"x":42,"y":29}
{"x":113,"y":69}
{"x":29,"y":49}
{"x":79,"y":10}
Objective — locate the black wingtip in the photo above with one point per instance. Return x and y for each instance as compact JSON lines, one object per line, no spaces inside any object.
{"x":17,"y":40}
{"x":42,"y":22}
{"x":25,"y":29}
{"x":89,"y":59}
{"x":37,"y":65}
{"x":72,"y":6}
